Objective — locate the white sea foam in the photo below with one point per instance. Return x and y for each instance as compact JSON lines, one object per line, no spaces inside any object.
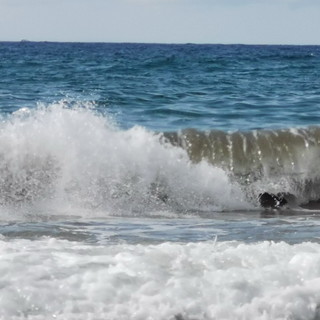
{"x":50,"y":278}
{"x":56,"y":156}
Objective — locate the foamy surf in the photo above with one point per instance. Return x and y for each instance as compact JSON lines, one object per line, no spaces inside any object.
{"x":60,"y":279}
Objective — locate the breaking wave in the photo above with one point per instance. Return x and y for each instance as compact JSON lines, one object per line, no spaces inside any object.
{"x":59,"y":156}
{"x":265,"y":160}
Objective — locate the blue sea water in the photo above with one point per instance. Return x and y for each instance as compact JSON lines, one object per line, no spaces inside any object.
{"x":130,"y":176}
{"x":169,"y":87}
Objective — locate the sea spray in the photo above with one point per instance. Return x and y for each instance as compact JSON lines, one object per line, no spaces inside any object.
{"x":73,"y":155}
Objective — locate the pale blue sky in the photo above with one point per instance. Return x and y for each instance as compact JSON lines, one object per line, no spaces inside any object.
{"x":168,"y":21}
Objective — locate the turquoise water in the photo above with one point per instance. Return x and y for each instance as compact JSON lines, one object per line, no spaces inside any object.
{"x":130,"y":175}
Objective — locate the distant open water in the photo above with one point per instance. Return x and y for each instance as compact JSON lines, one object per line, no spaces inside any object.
{"x":129,"y":178}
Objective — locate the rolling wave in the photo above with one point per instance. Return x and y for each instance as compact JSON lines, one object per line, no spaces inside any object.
{"x":59,"y":156}
{"x":270,"y":152}
{"x":265,"y":160}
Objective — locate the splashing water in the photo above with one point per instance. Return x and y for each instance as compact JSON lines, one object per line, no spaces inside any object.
{"x":74,"y":156}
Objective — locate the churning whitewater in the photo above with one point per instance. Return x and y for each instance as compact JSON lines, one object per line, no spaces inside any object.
{"x":57,"y":155}
{"x":59,"y":279}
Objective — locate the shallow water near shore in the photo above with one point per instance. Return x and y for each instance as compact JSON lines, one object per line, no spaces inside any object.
{"x":250,"y":227}
{"x":241,"y":265}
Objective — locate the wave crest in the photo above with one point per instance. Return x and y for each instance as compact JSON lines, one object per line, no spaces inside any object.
{"x":265,"y":160}
{"x":57,"y":155}
{"x":61,"y":156}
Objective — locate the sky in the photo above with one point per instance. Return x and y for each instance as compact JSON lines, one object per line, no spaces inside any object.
{"x":162,"y":21}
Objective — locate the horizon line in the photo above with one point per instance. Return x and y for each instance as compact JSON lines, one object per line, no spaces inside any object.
{"x":157,"y":43}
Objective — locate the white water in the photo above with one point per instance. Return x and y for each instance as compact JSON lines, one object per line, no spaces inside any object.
{"x":61,"y":157}
{"x":57,"y":279}
{"x":66,"y":157}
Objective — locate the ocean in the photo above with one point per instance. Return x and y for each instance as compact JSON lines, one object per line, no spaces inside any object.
{"x":130,"y":176}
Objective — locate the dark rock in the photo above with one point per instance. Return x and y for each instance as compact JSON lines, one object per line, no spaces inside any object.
{"x":270,"y":200}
